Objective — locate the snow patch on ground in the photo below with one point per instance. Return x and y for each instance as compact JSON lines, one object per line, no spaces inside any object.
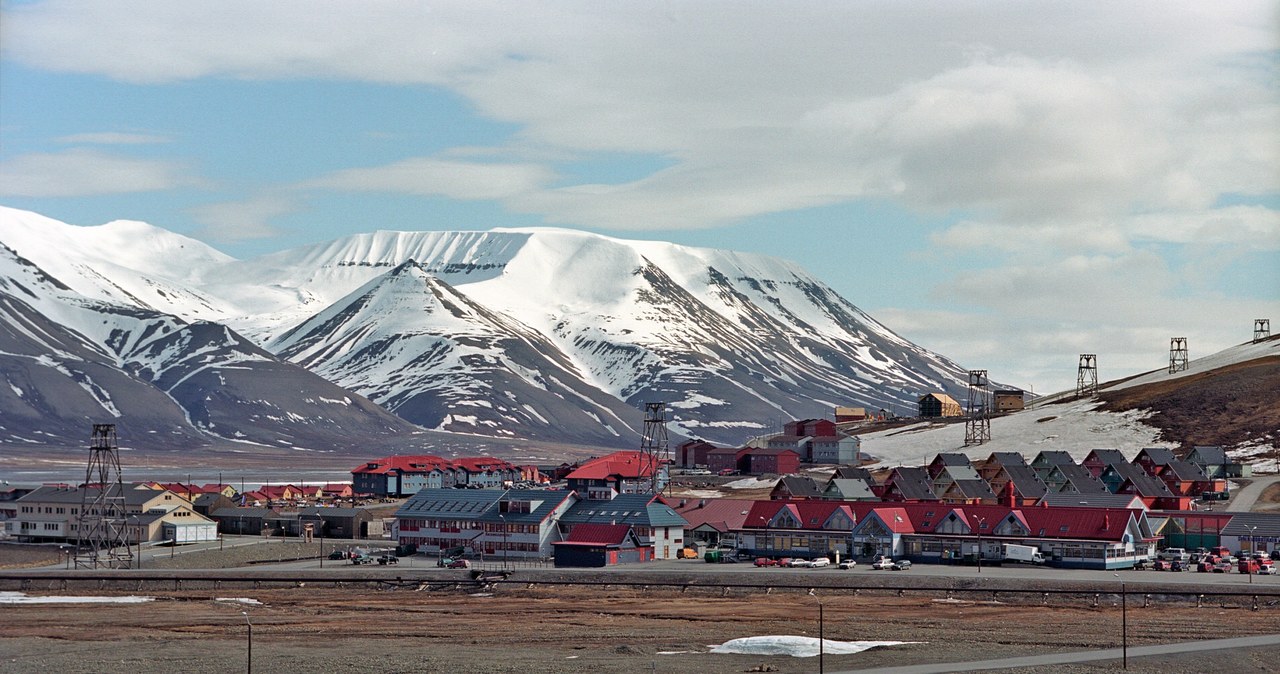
{"x":751,"y":483}
{"x":798,"y":647}
{"x":22,"y":598}
{"x":239,"y":600}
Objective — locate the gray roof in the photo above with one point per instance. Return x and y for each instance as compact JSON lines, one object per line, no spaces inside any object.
{"x":1158,"y":455}
{"x":1025,"y":480}
{"x":1208,"y":455}
{"x":75,"y":495}
{"x":976,"y":488}
{"x":1143,"y":483}
{"x":333,"y":512}
{"x":1081,"y":479}
{"x":913,"y":483}
{"x":1108,"y":456}
{"x":852,"y":473}
{"x":481,"y":504}
{"x":1054,"y":457}
{"x":849,"y":490}
{"x":1007,"y":459}
{"x":232,"y":513}
{"x":951,"y":459}
{"x":1268,"y":524}
{"x":1092,"y":500}
{"x":800,"y":486}
{"x":632,"y":509}
{"x":1186,"y":471}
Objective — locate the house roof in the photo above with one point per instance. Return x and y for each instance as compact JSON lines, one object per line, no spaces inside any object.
{"x":1106,"y":457}
{"x":1025,"y":480}
{"x":1208,"y":455}
{"x":645,"y":510}
{"x":75,"y":495}
{"x":852,"y":473}
{"x":975,"y":488}
{"x":1008,"y":458}
{"x":232,"y":513}
{"x":598,"y":534}
{"x":1156,"y":455}
{"x":912,"y":483}
{"x":1080,"y":479}
{"x":482,"y":504}
{"x":940,"y":397}
{"x":799,"y":486}
{"x":951,"y":459}
{"x":849,"y":490}
{"x":722,"y":514}
{"x":1137,"y":479}
{"x":1053,"y":457}
{"x":626,"y":464}
{"x":1060,"y":500}
{"x":1185,"y":471}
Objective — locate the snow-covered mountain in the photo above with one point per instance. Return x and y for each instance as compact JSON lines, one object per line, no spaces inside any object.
{"x":541,"y":334}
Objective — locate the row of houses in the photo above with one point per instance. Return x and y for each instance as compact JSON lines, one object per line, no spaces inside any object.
{"x":400,"y":476}
{"x":266,"y":494}
{"x":1154,"y":476}
{"x":805,"y":441}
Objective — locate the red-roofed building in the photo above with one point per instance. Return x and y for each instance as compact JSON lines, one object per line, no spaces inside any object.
{"x":713,"y":522}
{"x":600,"y":545}
{"x":407,"y":475}
{"x":623,"y":472}
{"x":338,"y":490}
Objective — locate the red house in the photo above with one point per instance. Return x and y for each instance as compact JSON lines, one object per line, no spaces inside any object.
{"x":599,"y":545}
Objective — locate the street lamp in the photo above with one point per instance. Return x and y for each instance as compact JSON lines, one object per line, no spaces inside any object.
{"x":248,"y":662}
{"x":1124,"y":622}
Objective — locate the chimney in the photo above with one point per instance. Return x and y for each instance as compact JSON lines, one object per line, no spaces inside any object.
{"x":1106,"y":521}
{"x":702,"y":503}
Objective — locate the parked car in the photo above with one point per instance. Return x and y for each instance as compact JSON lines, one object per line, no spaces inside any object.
{"x":459,"y":564}
{"x":1248,"y":566}
{"x":359,"y":558}
{"x":1266,"y":570}
{"x":1222,"y":567}
{"x":1161,"y":565}
{"x":882,"y":564}
{"x":388,"y":558}
{"x":765,"y":561}
{"x":901,"y":565}
{"x":1178,"y":565}
{"x":847,"y":563}
{"x":800,"y":562}
{"x":820,"y":561}
{"x":338,"y":554}
{"x":784,"y":561}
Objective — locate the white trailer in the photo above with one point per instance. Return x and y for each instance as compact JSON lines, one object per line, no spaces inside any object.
{"x":1029,"y":554}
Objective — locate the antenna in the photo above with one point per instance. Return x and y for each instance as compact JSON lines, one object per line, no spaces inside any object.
{"x":1261,"y":329}
{"x":1087,"y":375}
{"x":102,"y":533}
{"x":1177,"y":354}
{"x":654,"y":445}
{"x":977,"y":427}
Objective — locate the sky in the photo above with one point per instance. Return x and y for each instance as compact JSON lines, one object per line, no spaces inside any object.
{"x":1010,"y":184}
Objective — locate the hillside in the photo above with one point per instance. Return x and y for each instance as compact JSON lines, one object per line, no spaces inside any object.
{"x":1231,"y":398}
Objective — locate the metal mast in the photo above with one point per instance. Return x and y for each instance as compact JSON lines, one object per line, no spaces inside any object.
{"x":654,"y":445}
{"x":977,"y":427}
{"x":1087,"y":375}
{"x":1177,"y":354}
{"x":102,"y":533}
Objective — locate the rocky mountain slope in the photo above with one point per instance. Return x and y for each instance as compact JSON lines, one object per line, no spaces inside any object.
{"x":540,"y":334}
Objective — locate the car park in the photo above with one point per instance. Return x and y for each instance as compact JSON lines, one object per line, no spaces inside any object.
{"x":819,"y":562}
{"x":901,"y":565}
{"x":765,"y":561}
{"x":847,"y":563}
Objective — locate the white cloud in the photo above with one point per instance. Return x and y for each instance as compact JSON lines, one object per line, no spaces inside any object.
{"x":112,"y":138}
{"x":81,"y":172}
{"x":444,"y":177}
{"x":243,"y":220}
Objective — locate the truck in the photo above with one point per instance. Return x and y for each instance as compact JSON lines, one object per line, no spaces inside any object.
{"x":1028,"y":554}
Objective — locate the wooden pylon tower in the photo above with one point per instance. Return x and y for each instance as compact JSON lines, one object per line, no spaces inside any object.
{"x":1177,"y":354}
{"x":1087,"y":375}
{"x":977,"y":425}
{"x":657,"y":453}
{"x":1261,"y":329}
{"x":102,"y":538}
